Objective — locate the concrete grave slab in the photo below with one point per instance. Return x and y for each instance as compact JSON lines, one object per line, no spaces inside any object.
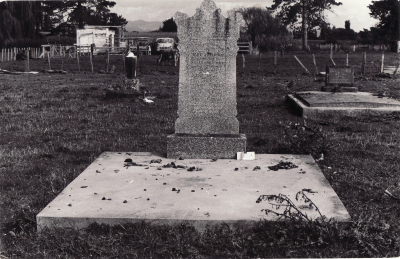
{"x":198,"y":191}
{"x":313,"y":104}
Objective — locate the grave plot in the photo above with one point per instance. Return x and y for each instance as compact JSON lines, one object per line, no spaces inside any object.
{"x":193,"y":183}
{"x":314,"y":104}
{"x":129,"y":187}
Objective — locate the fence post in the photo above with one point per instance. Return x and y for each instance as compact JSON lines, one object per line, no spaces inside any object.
{"x":383,"y":58}
{"x":123,"y":60}
{"x":347,"y":60}
{"x":27,"y":59}
{"x":315,"y":64}
{"x":62,"y":57}
{"x":397,"y":68}
{"x":108,"y":59}
{"x":48,"y":59}
{"x":364,"y":62}
{"x":243,"y":61}
{"x":331,"y":55}
{"x":301,"y":64}
{"x":77,"y":58}
{"x":137,"y":58}
{"x":91,"y":61}
{"x":15,"y":54}
{"x":2,"y":50}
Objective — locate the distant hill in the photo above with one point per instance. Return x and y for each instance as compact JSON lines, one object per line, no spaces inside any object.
{"x":140,"y":25}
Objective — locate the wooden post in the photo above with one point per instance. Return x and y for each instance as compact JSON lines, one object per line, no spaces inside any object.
{"x":331,"y":55}
{"x":91,"y":57}
{"x":275,"y":58}
{"x":27,"y":60}
{"x":333,"y":62}
{"x":243,"y":61}
{"x":48,"y":59}
{"x":397,"y":68}
{"x":313,"y":59}
{"x":301,"y":64}
{"x":315,"y":64}
{"x":107,"y":60}
{"x":2,"y":50}
{"x":123,"y":60}
{"x":347,"y":60}
{"x":62,"y":57}
{"x":15,"y":54}
{"x":364,"y":63}
{"x":137,"y":57}
{"x":77,"y":58}
{"x":382,"y":65}
{"x":91,"y":62}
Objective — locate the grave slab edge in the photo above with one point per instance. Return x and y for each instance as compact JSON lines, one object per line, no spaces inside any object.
{"x":205,"y":147}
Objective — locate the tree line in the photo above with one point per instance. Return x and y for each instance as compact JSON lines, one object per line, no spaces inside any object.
{"x":285,"y":20}
{"x":268,"y":27}
{"x":29,"y":19}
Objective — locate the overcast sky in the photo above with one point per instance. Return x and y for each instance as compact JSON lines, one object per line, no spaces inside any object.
{"x":159,"y":10}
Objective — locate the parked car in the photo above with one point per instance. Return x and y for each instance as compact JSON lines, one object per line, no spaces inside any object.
{"x":165,"y":44}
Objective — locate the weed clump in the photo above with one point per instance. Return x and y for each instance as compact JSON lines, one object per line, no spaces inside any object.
{"x":305,"y":137}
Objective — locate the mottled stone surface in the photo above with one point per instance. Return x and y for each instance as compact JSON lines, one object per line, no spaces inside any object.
{"x":205,"y":147}
{"x":207,"y":85}
{"x":339,"y":75}
{"x":339,"y":79}
{"x":320,"y":105}
{"x":214,"y":193}
{"x":207,"y":73}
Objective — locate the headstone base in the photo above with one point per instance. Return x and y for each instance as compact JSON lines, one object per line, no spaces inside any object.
{"x":330,"y":88}
{"x":193,"y":146}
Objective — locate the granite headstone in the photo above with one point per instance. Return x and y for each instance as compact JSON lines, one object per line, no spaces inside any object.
{"x":339,"y":79}
{"x":207,"y":126}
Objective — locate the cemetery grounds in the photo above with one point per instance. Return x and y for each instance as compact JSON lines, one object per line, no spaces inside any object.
{"x":54,"y":125}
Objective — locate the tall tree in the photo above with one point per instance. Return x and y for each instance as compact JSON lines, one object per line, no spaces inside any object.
{"x":169,"y":26}
{"x":387,"y":12}
{"x":19,"y":19}
{"x":260,"y":23}
{"x":311,"y":12}
{"x":76,"y":14}
{"x":347,"y":24}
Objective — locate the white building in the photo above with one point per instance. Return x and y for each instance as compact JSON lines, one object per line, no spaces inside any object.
{"x":101,"y":36}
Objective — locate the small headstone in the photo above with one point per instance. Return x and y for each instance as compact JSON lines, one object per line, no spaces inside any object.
{"x":207,"y":126}
{"x":339,"y":79}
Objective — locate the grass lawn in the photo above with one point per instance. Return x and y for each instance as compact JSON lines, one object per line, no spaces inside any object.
{"x":54,"y":125}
